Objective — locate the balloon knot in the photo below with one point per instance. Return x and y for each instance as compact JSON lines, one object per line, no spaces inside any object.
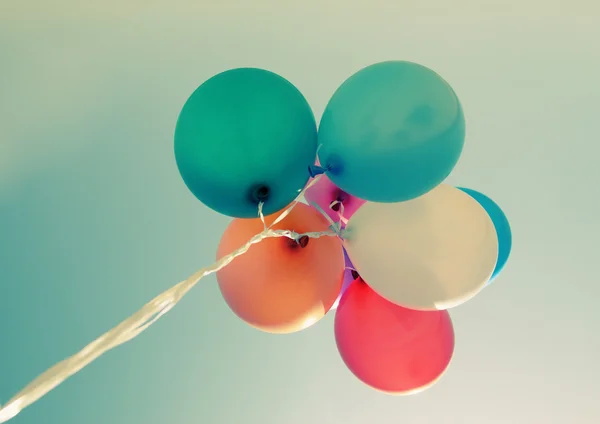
{"x":303,"y":241}
{"x":338,"y":202}
{"x":259,"y":193}
{"x":315,"y":170}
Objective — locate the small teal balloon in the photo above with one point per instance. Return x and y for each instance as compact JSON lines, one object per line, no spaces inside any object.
{"x":500,"y":223}
{"x":391,"y":132}
{"x":246,"y":136}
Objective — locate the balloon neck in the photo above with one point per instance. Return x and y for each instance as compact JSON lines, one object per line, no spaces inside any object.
{"x":300,"y":242}
{"x":338,"y":202}
{"x":334,"y":166}
{"x":259,"y":193}
{"x":315,"y":170}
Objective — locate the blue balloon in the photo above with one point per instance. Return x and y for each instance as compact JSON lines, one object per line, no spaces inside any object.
{"x":246,"y":136}
{"x":500,"y":223}
{"x":391,"y":132}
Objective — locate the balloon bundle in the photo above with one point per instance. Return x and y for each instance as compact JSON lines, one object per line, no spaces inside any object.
{"x":352,"y":217}
{"x":405,"y":247}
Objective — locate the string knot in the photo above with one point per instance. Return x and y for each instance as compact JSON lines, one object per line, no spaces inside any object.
{"x":315,"y":170}
{"x":302,"y":241}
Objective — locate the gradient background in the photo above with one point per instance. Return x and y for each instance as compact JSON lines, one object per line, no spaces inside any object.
{"x":95,"y":220}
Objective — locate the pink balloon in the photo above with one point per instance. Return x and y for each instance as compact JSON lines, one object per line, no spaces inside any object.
{"x":332,"y":199}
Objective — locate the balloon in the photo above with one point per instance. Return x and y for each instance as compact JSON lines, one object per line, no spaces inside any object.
{"x":245,"y":136}
{"x":278,"y":286}
{"x":350,"y":275}
{"x":390,"y":348}
{"x":501,"y":225}
{"x":391,"y":132}
{"x":433,"y":252}
{"x":331,"y":199}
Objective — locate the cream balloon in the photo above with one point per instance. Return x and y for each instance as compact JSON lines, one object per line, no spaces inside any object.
{"x":433,"y":252}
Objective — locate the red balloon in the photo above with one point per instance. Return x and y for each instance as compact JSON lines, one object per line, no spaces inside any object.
{"x":390,"y":348}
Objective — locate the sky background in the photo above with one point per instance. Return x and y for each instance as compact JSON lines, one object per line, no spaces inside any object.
{"x":95,"y":220}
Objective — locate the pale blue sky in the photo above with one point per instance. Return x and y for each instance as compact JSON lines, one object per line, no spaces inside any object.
{"x":95,"y":221}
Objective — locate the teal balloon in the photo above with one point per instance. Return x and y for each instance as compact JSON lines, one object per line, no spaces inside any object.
{"x":391,"y":132}
{"x":501,"y":225}
{"x":243,"y":137}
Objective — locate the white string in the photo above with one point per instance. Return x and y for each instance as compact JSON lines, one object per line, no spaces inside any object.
{"x":261,"y":215}
{"x":343,"y":219}
{"x":139,"y":321}
{"x":335,"y":226}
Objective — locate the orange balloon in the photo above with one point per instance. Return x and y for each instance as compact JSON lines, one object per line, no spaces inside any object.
{"x":278,"y":286}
